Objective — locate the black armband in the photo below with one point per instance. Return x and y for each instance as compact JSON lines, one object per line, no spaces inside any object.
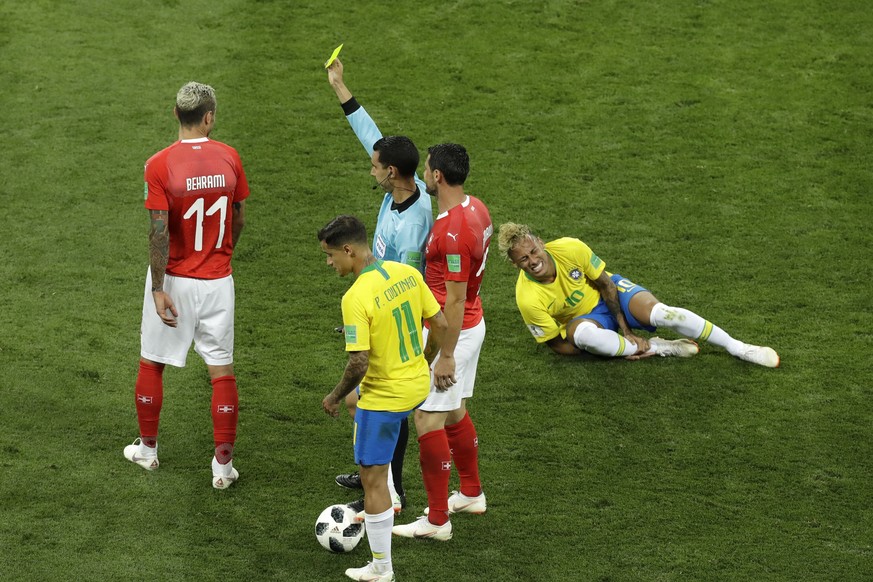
{"x":351,"y":106}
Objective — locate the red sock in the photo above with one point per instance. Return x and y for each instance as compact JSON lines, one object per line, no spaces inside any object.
{"x":436,"y":468}
{"x":149,"y":392}
{"x":225,"y":412}
{"x":465,"y":453}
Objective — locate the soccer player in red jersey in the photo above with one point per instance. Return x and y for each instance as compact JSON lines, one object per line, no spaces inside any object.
{"x":195,"y":193}
{"x":455,"y":258}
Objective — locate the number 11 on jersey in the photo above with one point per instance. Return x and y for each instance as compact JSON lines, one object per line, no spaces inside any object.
{"x":196,"y":210}
{"x":411,"y":330}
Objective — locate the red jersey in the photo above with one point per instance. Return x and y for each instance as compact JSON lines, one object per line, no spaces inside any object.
{"x":197,"y":181}
{"x":456,"y":251}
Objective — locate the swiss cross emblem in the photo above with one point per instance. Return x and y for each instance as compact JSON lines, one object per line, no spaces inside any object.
{"x":447,"y":465}
{"x":225,"y":408}
{"x":575,"y":274}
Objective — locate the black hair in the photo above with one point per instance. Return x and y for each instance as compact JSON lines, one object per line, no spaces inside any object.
{"x":452,"y":160}
{"x":398,"y":151}
{"x":344,"y":229}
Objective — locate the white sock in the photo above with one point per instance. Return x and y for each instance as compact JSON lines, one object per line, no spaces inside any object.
{"x":145,"y":451}
{"x":602,"y":342}
{"x":391,"y":490}
{"x":220,"y":470}
{"x":379,"y":536}
{"x":691,"y":325}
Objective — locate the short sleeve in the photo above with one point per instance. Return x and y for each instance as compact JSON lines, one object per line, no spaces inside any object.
{"x":242,"y":183}
{"x":356,"y":323}
{"x":429,"y":304}
{"x":155,"y":187}
{"x":540,"y":324}
{"x":458,"y":241}
{"x":410,"y":241}
{"x":592,"y":265}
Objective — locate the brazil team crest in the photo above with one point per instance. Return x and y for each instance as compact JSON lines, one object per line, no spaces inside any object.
{"x":575,"y":274}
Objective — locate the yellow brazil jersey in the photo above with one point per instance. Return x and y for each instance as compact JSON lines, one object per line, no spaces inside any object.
{"x":547,"y":307}
{"x":382,"y":313}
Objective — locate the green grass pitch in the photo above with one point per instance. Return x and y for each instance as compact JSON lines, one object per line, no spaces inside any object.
{"x":716,"y":152}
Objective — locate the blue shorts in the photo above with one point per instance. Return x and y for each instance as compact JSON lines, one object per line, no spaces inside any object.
{"x":375,"y":436}
{"x":601,"y":314}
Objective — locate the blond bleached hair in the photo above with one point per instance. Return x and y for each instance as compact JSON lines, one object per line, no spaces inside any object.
{"x":510,"y":234}
{"x":195,"y":95}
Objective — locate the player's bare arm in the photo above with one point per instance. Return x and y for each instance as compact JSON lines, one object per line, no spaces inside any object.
{"x":355,"y":370}
{"x":238,"y":220}
{"x":438,"y":327}
{"x":335,"y":78}
{"x":159,"y":247}
{"x":159,"y":255}
{"x":609,"y":293}
{"x":444,"y":369}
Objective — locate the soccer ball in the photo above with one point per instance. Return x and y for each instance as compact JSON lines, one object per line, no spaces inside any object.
{"x":337,"y":530}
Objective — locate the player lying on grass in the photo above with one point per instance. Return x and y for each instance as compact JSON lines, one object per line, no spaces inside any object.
{"x":572,"y":304}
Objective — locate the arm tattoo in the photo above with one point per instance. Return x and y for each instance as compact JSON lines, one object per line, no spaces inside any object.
{"x":610,"y":297}
{"x":609,"y":294}
{"x":159,"y":247}
{"x":354,"y":373}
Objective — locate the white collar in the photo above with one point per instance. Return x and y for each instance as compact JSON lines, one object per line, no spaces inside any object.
{"x":465,"y":203}
{"x":195,"y":140}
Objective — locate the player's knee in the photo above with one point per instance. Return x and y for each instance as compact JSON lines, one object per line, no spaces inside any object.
{"x":584,"y":335}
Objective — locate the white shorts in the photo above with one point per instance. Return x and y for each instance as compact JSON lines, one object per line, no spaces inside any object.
{"x":466,"y":361}
{"x":205,"y":309}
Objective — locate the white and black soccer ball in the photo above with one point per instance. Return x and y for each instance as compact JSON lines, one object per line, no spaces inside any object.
{"x":337,"y":530}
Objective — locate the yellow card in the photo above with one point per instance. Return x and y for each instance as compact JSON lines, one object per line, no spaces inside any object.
{"x":333,"y":57}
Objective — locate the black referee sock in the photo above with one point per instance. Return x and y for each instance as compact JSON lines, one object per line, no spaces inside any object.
{"x":399,"y":453}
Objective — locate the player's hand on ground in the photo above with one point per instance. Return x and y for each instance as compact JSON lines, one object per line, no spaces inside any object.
{"x":163,"y":305}
{"x":330,"y":405}
{"x":335,"y":73}
{"x":444,"y":373}
{"x":640,"y":356}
